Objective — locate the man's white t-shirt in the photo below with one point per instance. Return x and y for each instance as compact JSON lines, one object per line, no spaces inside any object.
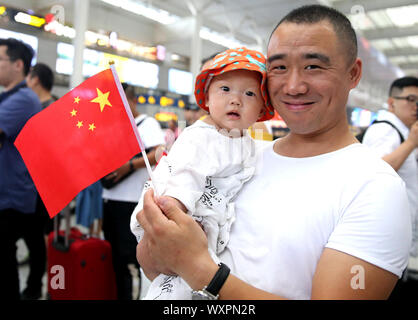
{"x":348,"y":200}
{"x":130,"y":189}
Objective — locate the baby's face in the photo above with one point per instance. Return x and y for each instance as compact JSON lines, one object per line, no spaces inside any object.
{"x":234,"y":99}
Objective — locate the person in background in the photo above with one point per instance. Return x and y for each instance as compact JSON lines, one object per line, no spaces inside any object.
{"x":41,"y":79}
{"x":384,"y":139}
{"x":324,"y":217}
{"x":189,"y":114}
{"x":120,"y":200}
{"x":171,"y":134}
{"x":17,"y":190}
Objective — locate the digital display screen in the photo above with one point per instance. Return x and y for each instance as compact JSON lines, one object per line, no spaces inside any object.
{"x":180,"y":81}
{"x":134,"y":72}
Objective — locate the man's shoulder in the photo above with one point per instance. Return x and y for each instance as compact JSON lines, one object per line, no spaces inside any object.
{"x":25,"y":96}
{"x":364,"y":164}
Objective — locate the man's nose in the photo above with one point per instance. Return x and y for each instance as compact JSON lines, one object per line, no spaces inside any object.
{"x":295,"y":84}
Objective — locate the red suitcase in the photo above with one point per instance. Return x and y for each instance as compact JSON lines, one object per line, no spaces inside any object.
{"x":79,"y":267}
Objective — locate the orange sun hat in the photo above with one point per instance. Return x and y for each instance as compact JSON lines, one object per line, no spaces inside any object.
{"x":229,"y":60}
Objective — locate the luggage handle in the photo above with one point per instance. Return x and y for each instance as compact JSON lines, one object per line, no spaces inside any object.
{"x":62,"y":243}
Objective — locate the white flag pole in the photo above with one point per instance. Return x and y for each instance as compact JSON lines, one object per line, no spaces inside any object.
{"x":134,"y":127}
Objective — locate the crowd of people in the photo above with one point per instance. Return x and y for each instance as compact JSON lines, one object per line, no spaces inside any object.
{"x":230,"y":217}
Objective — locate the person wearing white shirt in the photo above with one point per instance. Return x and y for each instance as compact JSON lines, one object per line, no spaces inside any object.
{"x":387,"y":143}
{"x":121,"y":199}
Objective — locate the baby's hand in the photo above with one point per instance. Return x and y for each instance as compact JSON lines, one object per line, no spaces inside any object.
{"x":180,"y":205}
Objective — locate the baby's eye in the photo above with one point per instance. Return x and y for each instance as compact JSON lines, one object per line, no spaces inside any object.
{"x":225,"y":88}
{"x":250,"y":93}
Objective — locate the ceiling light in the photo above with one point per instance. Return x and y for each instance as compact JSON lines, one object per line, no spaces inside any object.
{"x":403,"y":16}
{"x":159,"y":15}
{"x":218,"y":38}
{"x":380,"y":18}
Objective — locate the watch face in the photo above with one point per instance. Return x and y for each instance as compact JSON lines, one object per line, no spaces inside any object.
{"x":202,"y":295}
{"x":199,"y":295}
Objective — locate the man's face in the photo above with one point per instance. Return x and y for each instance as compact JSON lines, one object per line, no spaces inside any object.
{"x":31,"y":81}
{"x":405,"y":110}
{"x":309,"y":78}
{"x":6,"y":67}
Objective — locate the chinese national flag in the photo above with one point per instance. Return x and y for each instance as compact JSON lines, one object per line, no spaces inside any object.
{"x":79,"y":139}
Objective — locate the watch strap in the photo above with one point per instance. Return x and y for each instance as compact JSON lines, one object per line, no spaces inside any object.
{"x":218,"y":279}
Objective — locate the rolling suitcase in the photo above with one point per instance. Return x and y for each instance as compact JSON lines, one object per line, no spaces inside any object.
{"x":79,"y":267}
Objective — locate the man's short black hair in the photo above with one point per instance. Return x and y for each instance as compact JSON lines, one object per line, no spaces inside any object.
{"x":129,"y":91}
{"x":44,"y":74}
{"x":398,"y":85}
{"x":311,"y":14}
{"x":16,"y":50}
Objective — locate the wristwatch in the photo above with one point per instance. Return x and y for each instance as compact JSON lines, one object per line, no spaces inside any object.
{"x":131,"y":165}
{"x":211,"y":291}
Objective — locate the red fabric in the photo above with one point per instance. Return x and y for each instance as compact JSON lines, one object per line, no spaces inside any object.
{"x":63,"y":158}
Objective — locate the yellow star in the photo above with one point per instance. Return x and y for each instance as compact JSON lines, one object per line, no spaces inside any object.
{"x":77,"y":100}
{"x":73,"y":113}
{"x":79,"y":124}
{"x":102,"y":99}
{"x":92,"y":127}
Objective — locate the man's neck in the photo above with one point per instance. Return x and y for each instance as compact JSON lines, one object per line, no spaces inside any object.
{"x":14,"y":83}
{"x":301,"y":146}
{"x":43,"y":95}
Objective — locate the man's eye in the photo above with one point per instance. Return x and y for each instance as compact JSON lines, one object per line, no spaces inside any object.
{"x":311,"y":67}
{"x":279,"y":67}
{"x":225,"y":88}
{"x":250,"y":93}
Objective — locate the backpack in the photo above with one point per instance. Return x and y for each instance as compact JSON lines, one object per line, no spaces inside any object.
{"x":360,"y":136}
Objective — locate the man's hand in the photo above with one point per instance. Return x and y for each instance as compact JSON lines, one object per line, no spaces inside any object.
{"x":150,"y":267}
{"x":175,"y":243}
{"x":413,"y":134}
{"x":116,"y":175}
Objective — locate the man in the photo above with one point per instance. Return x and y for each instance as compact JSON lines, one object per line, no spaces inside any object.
{"x":41,"y":79}
{"x":386,"y":141}
{"x":120,"y":200}
{"x":323,"y":218}
{"x":17,"y":191}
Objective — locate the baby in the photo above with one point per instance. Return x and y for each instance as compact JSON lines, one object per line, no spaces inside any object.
{"x":212,"y":159}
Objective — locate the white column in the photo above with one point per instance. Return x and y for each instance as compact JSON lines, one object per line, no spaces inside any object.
{"x":196,"y":48}
{"x":81,"y":14}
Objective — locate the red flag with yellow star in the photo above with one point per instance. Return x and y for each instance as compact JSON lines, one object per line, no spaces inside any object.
{"x":79,"y":139}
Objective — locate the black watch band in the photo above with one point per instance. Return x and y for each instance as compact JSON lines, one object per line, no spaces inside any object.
{"x":218,"y":279}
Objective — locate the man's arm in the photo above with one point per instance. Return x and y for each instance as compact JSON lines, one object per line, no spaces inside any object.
{"x":399,"y":155}
{"x":177,"y":243}
{"x":137,"y":164}
{"x":342,"y":276}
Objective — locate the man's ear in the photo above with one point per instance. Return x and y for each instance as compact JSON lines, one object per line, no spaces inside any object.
{"x":390,"y":102}
{"x":355,"y":72}
{"x":19,"y":66}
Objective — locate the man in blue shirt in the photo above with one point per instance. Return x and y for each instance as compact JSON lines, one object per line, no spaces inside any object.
{"x":17,"y":190}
